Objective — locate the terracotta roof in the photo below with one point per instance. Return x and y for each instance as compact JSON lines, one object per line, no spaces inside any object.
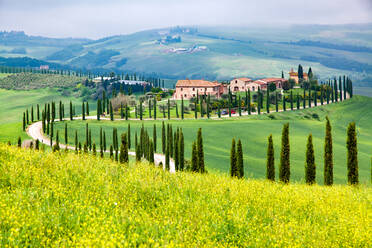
{"x":244,"y":79}
{"x":270,"y":80}
{"x":196,"y":83}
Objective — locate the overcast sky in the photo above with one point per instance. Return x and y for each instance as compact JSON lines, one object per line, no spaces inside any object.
{"x":96,"y":19}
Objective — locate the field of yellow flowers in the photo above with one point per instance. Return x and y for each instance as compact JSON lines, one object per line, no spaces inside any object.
{"x":78,"y":200}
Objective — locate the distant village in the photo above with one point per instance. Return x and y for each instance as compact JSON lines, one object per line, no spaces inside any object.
{"x":187,"y":89}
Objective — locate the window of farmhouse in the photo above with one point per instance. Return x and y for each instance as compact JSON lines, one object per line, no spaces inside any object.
{"x":181,"y":89}
{"x":193,"y":89}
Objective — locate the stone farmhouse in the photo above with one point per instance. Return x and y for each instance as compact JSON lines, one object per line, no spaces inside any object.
{"x":263,"y":83}
{"x":188,"y":89}
{"x":294,"y":75}
{"x":243,"y":84}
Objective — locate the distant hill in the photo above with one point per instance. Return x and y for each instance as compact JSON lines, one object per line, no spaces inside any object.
{"x":211,"y":52}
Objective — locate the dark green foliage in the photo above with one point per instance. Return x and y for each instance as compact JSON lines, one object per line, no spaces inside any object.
{"x":291,"y":99}
{"x":352,"y":155}
{"x":27,"y":120}
{"x":298,"y":101}
{"x":38,"y":112}
{"x":32,"y":114}
{"x":284,"y":169}
{"x":111,"y":152}
{"x":284,"y":104}
{"x":328,"y":155}
{"x":267,"y":101}
{"x":124,"y":157}
{"x":76,"y":142}
{"x":87,"y":108}
{"x":163,"y":138}
{"x":315,"y":98}
{"x":300,"y":72}
{"x":94,"y":149}
{"x":240,"y":106}
{"x":151,"y":156}
{"x":154,"y":108}
{"x":104,"y":140}
{"x":177,"y":110}
{"x":321,"y":96}
{"x":19,"y":142}
{"x":129,"y":137}
{"x":249,"y":102}
{"x":194,"y":158}
{"x":154,"y":138}
{"x":85,"y":148}
{"x":71,"y":113}
{"x":259,"y":101}
{"x":127,"y":113}
{"x":37,"y":144}
{"x":270,"y":161}
{"x":24,"y":122}
{"x":309,"y":98}
{"x":167,"y":156}
{"x":233,"y":167}
{"x":304,"y":99}
{"x":140,"y":109}
{"x":66,"y":134}
{"x":175,"y":151}
{"x":121,"y":111}
{"x":170,"y":140}
{"x":195,"y":110}
{"x":182,"y":109}
{"x":99,"y":111}
{"x":181,"y":150}
{"x":111,"y":112}
{"x":208,"y":106}
{"x":168,"y":107}
{"x":310,"y":167}
{"x":201,"y":166}
{"x":239,"y":160}
{"x":83,"y":110}
{"x":276,"y":102}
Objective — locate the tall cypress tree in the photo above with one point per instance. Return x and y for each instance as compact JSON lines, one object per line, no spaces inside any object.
{"x":111,"y":112}
{"x":126,"y":113}
{"x":87,"y":108}
{"x":150,"y":108}
{"x":291,"y":99}
{"x":284,"y":169}
{"x":239,"y":160}
{"x":181,"y":150}
{"x":76,"y":142}
{"x":24,"y":122}
{"x":155,"y":108}
{"x":27,"y":120}
{"x":240,"y":106}
{"x":310,"y":167}
{"x":284,"y":103}
{"x":154,"y":138}
{"x":163,"y":139}
{"x":270,"y":160}
{"x":104,"y":141}
{"x":124,"y":158}
{"x":101,"y":142}
{"x":309,"y":98}
{"x":182,"y":109}
{"x":276,"y":102}
{"x":98,"y":109}
{"x":168,"y":106}
{"x":298,"y":101}
{"x":32,"y":113}
{"x":38,"y":112}
{"x":167,"y":148}
{"x":321,"y":96}
{"x":71,"y":113}
{"x":249,"y":102}
{"x":66,"y":134}
{"x":151,"y":156}
{"x":233,"y":167}
{"x":194,"y":157}
{"x":195,"y":110}
{"x":267,"y":101}
{"x":352,"y":155}
{"x":121,"y":111}
{"x":304,"y":100}
{"x":140,"y":110}
{"x":340,"y":88}
{"x":328,"y":155}
{"x":175,"y":151}
{"x":201,"y":165}
{"x":83,"y":110}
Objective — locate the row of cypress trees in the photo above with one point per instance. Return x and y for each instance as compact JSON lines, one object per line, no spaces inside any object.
{"x":173,"y":146}
{"x":310,"y":165}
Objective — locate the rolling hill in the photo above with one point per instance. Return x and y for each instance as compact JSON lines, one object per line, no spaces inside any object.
{"x":215,"y":52}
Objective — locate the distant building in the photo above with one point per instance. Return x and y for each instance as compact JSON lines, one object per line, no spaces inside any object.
{"x":294,"y":75}
{"x":188,"y":89}
{"x":263,"y":83}
{"x":241,"y":84}
{"x":44,"y":67}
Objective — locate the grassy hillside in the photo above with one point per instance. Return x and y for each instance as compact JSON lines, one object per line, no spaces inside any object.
{"x":30,"y":81}
{"x":254,"y":130}
{"x":71,"y":200}
{"x":14,"y":102}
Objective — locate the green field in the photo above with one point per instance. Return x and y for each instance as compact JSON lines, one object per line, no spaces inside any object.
{"x":14,"y":103}
{"x":67,"y":200}
{"x":254,"y":130}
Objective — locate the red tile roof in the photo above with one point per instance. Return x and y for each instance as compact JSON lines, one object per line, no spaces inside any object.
{"x":270,"y":80}
{"x":196,"y":83}
{"x":244,"y":79}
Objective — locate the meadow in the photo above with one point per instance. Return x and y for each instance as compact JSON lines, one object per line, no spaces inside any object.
{"x":254,"y":130}
{"x":52,"y":199}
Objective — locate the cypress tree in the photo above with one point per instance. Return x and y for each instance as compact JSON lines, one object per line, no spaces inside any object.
{"x":233,"y":166}
{"x":167,"y":156}
{"x":90,"y":140}
{"x":304,"y":99}
{"x":42,"y":121}
{"x":60,"y":111}
{"x":129,"y":136}
{"x":32,"y":114}
{"x":321,"y":96}
{"x":352,"y":155}
{"x":152,"y":158}
{"x":229,"y":103}
{"x":209,"y":102}
{"x":121,"y":111}
{"x":201,"y":165}
{"x":240,"y":106}
{"x":284,"y":169}
{"x":108,"y":107}
{"x":201,"y":108}
{"x":111,"y":152}
{"x":19,"y":142}
{"x":24,"y":122}
{"x":276,"y":102}
{"x":176,"y":152}
{"x":332,"y":94}
{"x":37,"y":144}
{"x":76,"y":142}
{"x":328,"y":155}
{"x":344,"y":86}
{"x":259,"y":102}
{"x":270,"y":161}
{"x":181,"y":150}
{"x":249,"y":102}
{"x":284,"y":103}
{"x":315,"y":98}
{"x":154,"y":108}
{"x":194,"y":157}
{"x":182,"y":108}
{"x":66,"y":134}
{"x":27,"y":120}
{"x":340,"y":88}
{"x":71,"y":114}
{"x":336,"y":90}
{"x":38,"y":112}
{"x":327,"y":95}
{"x":104,"y":141}
{"x":309,"y":98}
{"x":94,"y":149}
{"x":83,"y":110}
{"x":170,"y":140}
{"x":140,"y":110}
{"x":150,"y":108}
{"x":126,"y":113}
{"x":310,"y":168}
{"x":86,"y":134}
{"x":219,"y":111}
{"x":267,"y":101}
{"x":57,"y":139}
{"x":177,"y":111}
{"x":99,"y":109}
{"x":87,"y":108}
{"x":195,"y":111}
{"x":298,"y":101}
{"x":124,"y":158}
{"x":168,"y":105}
{"x":101,"y":142}
{"x":291,"y":99}
{"x":111,"y":112}
{"x":154,"y":138}
{"x":163,"y":139}
{"x":239,"y":160}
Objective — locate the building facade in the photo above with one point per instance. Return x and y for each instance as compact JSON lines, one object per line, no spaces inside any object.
{"x":294,"y":75}
{"x":240,"y":84}
{"x":188,"y":89}
{"x":267,"y":81}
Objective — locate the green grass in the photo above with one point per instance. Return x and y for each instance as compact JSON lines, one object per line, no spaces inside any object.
{"x":72,"y":200}
{"x":254,"y":130}
{"x":14,"y":103}
{"x":2,"y":75}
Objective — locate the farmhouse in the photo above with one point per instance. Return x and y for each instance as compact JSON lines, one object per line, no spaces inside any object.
{"x":294,"y":75}
{"x":263,"y":83}
{"x":187,"y":89}
{"x":240,"y":84}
